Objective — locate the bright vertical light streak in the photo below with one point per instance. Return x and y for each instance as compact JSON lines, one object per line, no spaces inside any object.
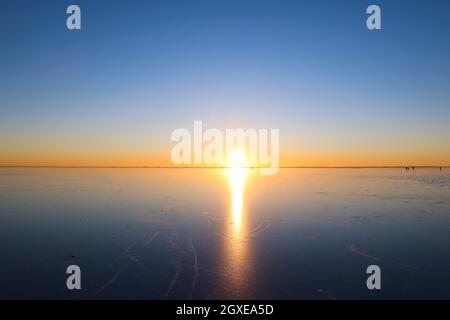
{"x":237,"y":180}
{"x":236,"y":257}
{"x":237,"y":176}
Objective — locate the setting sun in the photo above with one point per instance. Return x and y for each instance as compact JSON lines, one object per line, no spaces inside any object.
{"x":236,"y":159}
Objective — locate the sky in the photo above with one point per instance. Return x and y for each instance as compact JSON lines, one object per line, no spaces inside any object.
{"x":112,"y":92}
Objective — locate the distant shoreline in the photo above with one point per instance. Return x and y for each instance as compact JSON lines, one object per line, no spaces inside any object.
{"x":226,"y":167}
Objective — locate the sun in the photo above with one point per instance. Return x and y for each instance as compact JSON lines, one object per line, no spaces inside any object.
{"x":236,"y":159}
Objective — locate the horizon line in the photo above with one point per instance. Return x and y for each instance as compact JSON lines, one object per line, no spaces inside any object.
{"x":219,"y":167}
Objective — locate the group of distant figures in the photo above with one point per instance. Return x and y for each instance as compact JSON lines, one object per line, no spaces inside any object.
{"x":412,"y":168}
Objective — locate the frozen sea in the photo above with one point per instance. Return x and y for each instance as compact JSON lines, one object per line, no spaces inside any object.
{"x":206,"y":234}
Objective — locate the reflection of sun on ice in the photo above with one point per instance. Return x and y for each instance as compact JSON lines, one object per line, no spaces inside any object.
{"x":236,"y":257}
{"x":237,"y":175}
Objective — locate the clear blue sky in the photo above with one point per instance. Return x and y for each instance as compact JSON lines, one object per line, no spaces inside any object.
{"x":339,"y":93}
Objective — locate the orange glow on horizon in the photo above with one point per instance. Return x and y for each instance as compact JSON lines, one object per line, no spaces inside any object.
{"x":307,"y":158}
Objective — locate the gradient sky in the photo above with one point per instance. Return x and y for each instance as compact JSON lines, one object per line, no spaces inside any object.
{"x":112,"y":93}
